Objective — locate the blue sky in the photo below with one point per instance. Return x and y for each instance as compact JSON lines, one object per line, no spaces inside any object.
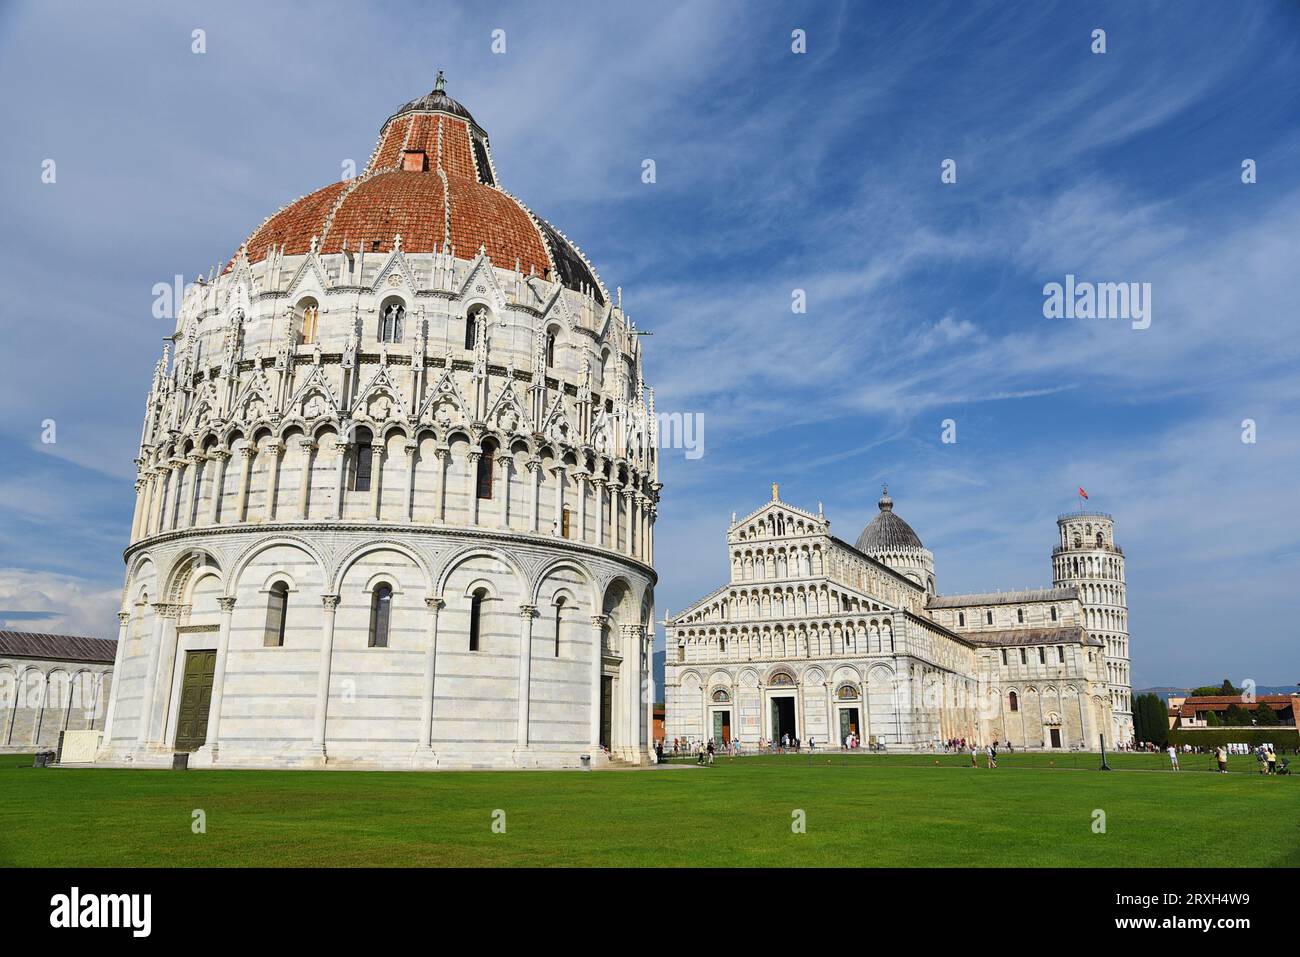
{"x":775,"y":171}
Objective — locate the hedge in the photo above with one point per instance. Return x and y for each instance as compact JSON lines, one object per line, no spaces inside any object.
{"x":1283,"y":737}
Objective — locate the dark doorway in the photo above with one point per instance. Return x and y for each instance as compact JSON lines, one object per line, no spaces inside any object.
{"x":196,"y":698}
{"x":849,"y":723}
{"x":606,"y":708}
{"x":782,"y":718}
{"x":722,"y":727}
{"x":1056,"y":737}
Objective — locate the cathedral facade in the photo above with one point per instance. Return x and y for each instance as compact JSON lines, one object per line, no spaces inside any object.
{"x":397,"y":488}
{"x":819,"y":639}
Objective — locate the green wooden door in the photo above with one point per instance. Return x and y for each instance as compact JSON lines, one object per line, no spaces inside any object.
{"x":196,"y":698}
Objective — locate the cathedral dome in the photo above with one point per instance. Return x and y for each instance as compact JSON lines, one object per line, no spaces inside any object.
{"x":431,"y":181}
{"x":887,"y":532}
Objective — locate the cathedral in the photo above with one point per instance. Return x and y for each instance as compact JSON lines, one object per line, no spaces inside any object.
{"x":817,"y":639}
{"x":397,"y":488}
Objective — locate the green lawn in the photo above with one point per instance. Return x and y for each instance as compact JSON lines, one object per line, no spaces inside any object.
{"x":859,"y":811}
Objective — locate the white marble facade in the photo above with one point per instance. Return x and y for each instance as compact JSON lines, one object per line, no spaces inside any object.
{"x":358,"y":447}
{"x":815,"y":637}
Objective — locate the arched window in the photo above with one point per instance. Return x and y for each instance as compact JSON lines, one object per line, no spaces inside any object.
{"x":391,"y":319}
{"x":961,"y":619}
{"x":550,"y":350}
{"x":1099,"y":541}
{"x":381,"y":612}
{"x":365,"y":455}
{"x":310,"y":313}
{"x":559,"y":622}
{"x":1020,"y":615}
{"x":1053,"y":613}
{"x":564,"y":522}
{"x":1014,"y":701}
{"x":988,"y":617}
{"x":471,"y":326}
{"x":485,"y":473}
{"x":277,"y":605}
{"x":475,"y":617}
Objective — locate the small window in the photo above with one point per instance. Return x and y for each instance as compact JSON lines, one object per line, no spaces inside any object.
{"x":1060,"y":653}
{"x":475,"y":617}
{"x":381,"y":611}
{"x":988,"y":617}
{"x":277,"y":605}
{"x":550,"y":350}
{"x":391,"y":320}
{"x":471,"y":328}
{"x":1024,"y":659}
{"x":1020,"y":615}
{"x":1100,"y":543}
{"x":310,"y":314}
{"x":559,"y":623}
{"x":961,"y":618}
{"x":1053,"y":613}
{"x":1042,"y":656}
{"x":364,"y":458}
{"x":1014,"y":701}
{"x":1004,"y":656}
{"x":564,"y":522}
{"x":485,"y":474}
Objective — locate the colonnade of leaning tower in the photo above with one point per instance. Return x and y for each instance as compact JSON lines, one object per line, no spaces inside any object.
{"x":1087,"y":559}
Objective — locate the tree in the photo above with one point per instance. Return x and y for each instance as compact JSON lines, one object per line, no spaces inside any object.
{"x":1228,"y":688}
{"x":1212,"y":720}
{"x":1266,"y":717}
{"x":1238,"y":717}
{"x":1157,"y":720}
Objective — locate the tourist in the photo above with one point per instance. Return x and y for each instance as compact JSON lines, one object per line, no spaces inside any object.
{"x":812,"y":743}
{"x":1173,"y":757}
{"x":1272,"y":760}
{"x":1221,"y":755}
{"x":711,"y":749}
{"x":974,"y":756}
{"x":993,"y":756}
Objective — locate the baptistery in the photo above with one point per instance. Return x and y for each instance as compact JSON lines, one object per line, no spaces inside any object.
{"x":397,"y":486}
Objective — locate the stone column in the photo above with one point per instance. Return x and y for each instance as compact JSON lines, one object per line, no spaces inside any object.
{"x":434,"y":605}
{"x":598,"y":623}
{"x":331,"y":603}
{"x":197,"y":461}
{"x":123,"y":627}
{"x":163,"y":614}
{"x":304,"y":480}
{"x":378,"y":452}
{"x":599,"y":482}
{"x":558,"y":528}
{"x":408,"y":500}
{"x":534,"y":507}
{"x":168,"y":490}
{"x":526,"y":615}
{"x":139,"y":509}
{"x":632,"y":637}
{"x":471,"y":485}
{"x":220,"y":457}
{"x":504,"y":462}
{"x":275,"y":450}
{"x":245,"y":470}
{"x":441,"y":453}
{"x":832,"y":726}
{"x":146,"y":515}
{"x":227,"y":604}
{"x":340,"y":476}
{"x":629,"y":497}
{"x":583,"y":478}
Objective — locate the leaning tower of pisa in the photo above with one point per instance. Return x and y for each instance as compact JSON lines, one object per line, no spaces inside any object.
{"x":1087,"y":558}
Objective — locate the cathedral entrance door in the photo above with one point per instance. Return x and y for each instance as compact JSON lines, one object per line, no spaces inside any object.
{"x":1056,"y":737}
{"x":783,"y":717}
{"x":196,"y":699}
{"x":848,"y":723}
{"x":722,"y":726}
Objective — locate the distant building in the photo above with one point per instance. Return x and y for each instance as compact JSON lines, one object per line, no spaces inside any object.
{"x":813,"y":637}
{"x":50,"y":684}
{"x":1195,"y":711}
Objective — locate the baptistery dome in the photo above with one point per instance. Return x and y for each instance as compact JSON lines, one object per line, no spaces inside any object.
{"x":397,"y":488}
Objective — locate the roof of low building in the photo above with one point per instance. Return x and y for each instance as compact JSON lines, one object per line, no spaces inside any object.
{"x":27,"y":644}
{"x":1009,"y":637}
{"x":1004,"y":597}
{"x":1222,"y":702}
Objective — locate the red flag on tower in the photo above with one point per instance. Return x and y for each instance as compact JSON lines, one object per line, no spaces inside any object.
{"x":1082,"y":493}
